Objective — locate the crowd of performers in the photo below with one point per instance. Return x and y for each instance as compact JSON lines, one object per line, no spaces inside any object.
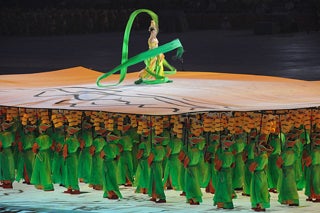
{"x":256,"y":152}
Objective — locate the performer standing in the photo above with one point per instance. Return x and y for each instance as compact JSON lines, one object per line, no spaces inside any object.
{"x":287,"y":187}
{"x":85,"y":159}
{"x":41,"y":175}
{"x":172,"y":172}
{"x":191,"y":163}
{"x":142,"y":175}
{"x":70,"y":155}
{"x":313,"y":163}
{"x":238,"y":170}
{"x":96,"y":177}
{"x":248,"y":156}
{"x":210,"y":158}
{"x":260,"y":197}
{"x":125,"y":164}
{"x":7,"y":138}
{"x":26,"y":161}
{"x":109,"y":154}
{"x":224,"y":161}
{"x":155,"y":159}
{"x":274,"y":140}
{"x":58,"y":167}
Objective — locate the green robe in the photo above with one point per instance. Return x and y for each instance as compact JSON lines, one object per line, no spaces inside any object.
{"x":238,"y":170}
{"x":287,"y":186}
{"x":298,"y":147}
{"x":85,"y":159}
{"x":314,"y":182}
{"x":273,"y":170}
{"x":259,"y":184}
{"x":142,"y":175}
{"x":71,"y":163}
{"x":41,"y":174}
{"x":111,"y":150}
{"x":26,"y":160}
{"x":156,"y":172}
{"x":249,"y":152}
{"x":192,"y":175}
{"x":58,"y":167}
{"x":96,"y":177}
{"x":125,"y":164}
{"x":211,"y":151}
{"x":173,"y":167}
{"x":224,"y":188}
{"x":6,"y":157}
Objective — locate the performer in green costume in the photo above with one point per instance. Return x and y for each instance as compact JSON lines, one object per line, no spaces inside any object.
{"x":85,"y":159}
{"x":156,"y":189}
{"x":287,"y":186}
{"x":58,"y":167}
{"x":142,"y":175}
{"x":209,"y":158}
{"x":26,"y":161}
{"x":248,"y":156}
{"x":191,"y":163}
{"x":109,"y":154}
{"x":260,"y":197}
{"x":96,"y":177}
{"x":306,"y":161}
{"x":203,"y":166}
{"x":298,"y":147}
{"x":7,"y":173}
{"x":313,"y":162}
{"x":41,"y":175}
{"x":273,"y":170}
{"x":70,"y":155}
{"x":238,"y":170}
{"x":172,"y":171}
{"x":224,"y":161}
{"x":125,"y":164}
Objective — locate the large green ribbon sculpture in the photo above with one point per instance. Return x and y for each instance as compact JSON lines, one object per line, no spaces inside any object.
{"x":144,"y":56}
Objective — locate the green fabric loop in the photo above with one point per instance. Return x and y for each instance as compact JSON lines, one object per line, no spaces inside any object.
{"x":144,"y":56}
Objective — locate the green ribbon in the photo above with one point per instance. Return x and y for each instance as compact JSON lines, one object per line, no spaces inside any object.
{"x":144,"y":56}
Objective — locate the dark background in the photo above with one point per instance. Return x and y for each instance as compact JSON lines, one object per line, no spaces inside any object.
{"x":263,"y":37}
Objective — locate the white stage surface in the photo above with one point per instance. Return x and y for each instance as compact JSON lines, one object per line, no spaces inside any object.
{"x":75,"y":89}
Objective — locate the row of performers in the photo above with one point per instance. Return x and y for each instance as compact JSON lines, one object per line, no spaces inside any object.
{"x":221,"y":162}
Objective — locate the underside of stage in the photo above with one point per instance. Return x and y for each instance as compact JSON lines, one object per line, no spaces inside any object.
{"x":190,"y":92}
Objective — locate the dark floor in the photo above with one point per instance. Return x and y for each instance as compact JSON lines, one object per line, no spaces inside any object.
{"x":295,"y":55}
